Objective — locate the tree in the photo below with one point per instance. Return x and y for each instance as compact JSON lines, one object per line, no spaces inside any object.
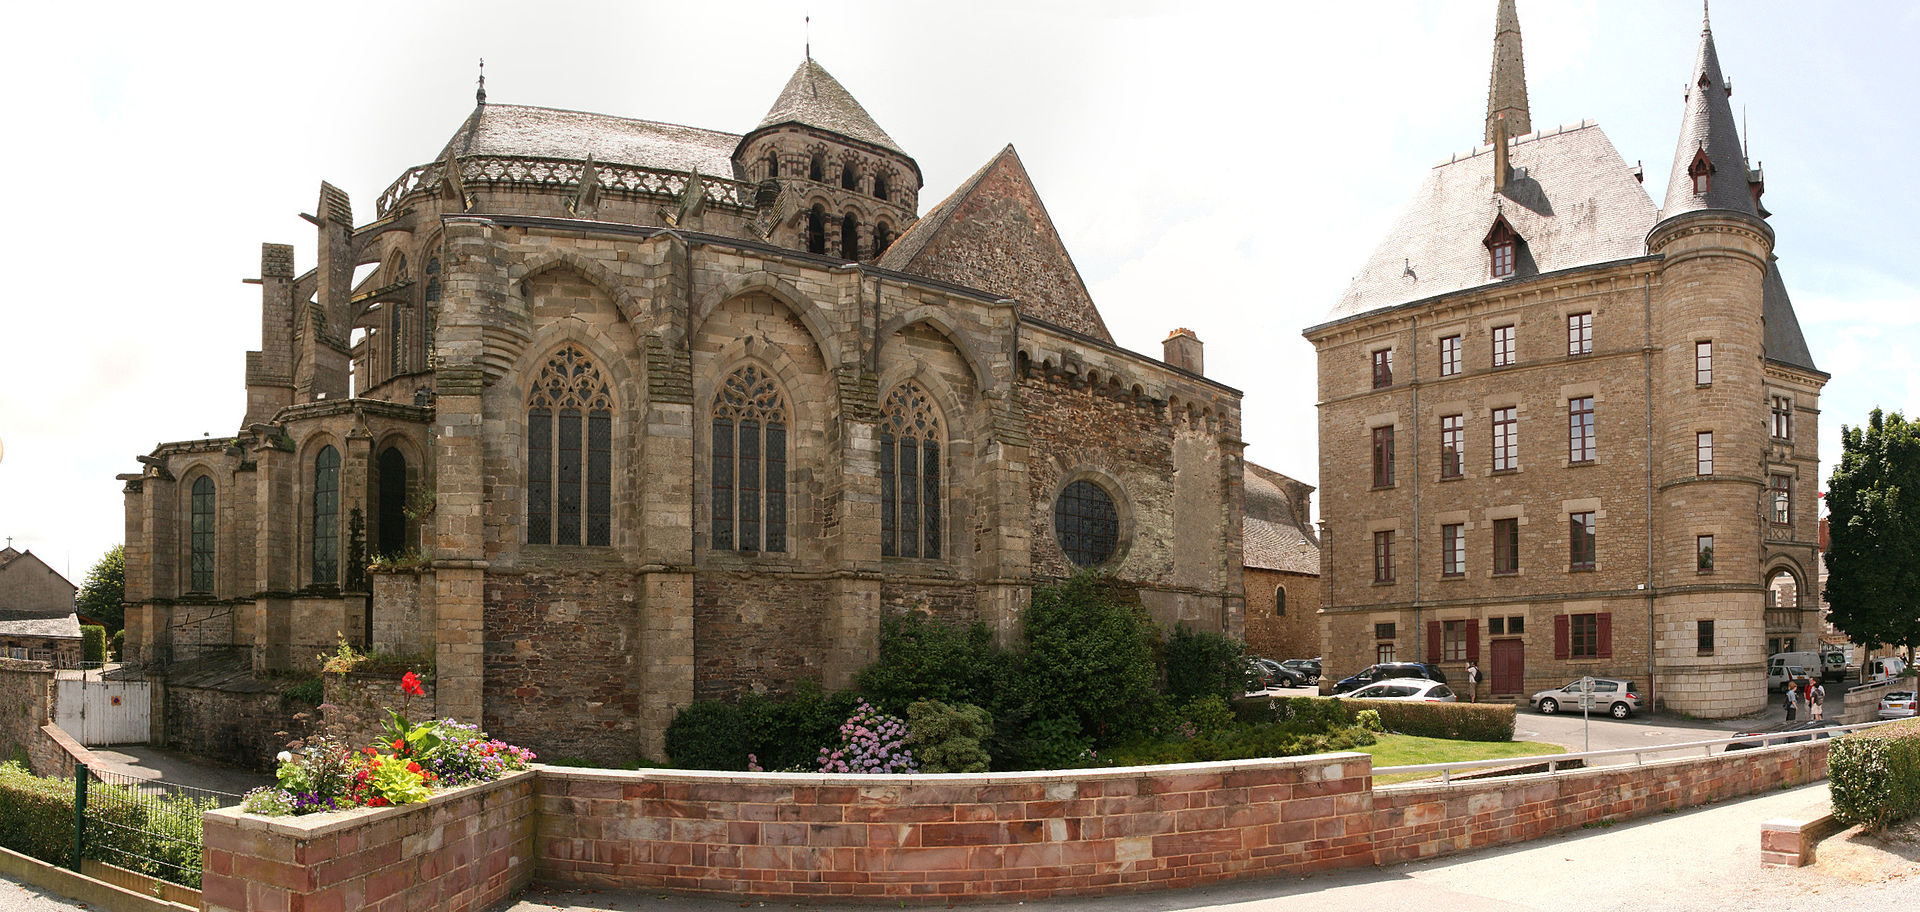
{"x":1873,"y":561}
{"x":106,"y":587}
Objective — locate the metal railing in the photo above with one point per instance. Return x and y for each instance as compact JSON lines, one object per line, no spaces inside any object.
{"x":541,"y":171}
{"x":1553,"y":761}
{"x":147,"y":826}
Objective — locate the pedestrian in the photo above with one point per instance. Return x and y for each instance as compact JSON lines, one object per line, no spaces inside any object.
{"x":1792,"y":702}
{"x":1819,"y":700}
{"x":1473,"y":682}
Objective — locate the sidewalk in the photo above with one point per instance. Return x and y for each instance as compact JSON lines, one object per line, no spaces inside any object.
{"x":1704,"y":859}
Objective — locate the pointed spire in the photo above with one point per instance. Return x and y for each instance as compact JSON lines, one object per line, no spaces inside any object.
{"x":1709,"y":167}
{"x":480,"y":94}
{"x":814,"y":98}
{"x":1507,"y":91}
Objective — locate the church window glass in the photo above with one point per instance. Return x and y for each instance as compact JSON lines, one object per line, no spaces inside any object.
{"x":326,"y":517}
{"x":201,"y":526}
{"x":910,"y":449}
{"x":1086,"y":524}
{"x":570,"y":453}
{"x":749,"y":479}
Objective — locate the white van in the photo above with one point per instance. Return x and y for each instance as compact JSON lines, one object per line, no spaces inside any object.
{"x":1882,"y":669}
{"x":1785,"y":666}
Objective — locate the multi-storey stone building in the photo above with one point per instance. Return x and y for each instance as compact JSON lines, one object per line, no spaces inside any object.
{"x":1565,"y":431}
{"x":625,"y":414}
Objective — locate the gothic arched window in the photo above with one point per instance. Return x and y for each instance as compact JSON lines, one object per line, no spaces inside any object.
{"x":1279,"y":601}
{"x":200,"y":537}
{"x":850,"y":237}
{"x":749,"y":464}
{"x":391,"y":530}
{"x":326,"y":517}
{"x":569,"y":453}
{"x":910,"y":444}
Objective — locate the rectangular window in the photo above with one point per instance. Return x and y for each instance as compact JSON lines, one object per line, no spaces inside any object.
{"x":1503,"y":258}
{"x":1453,"y":549}
{"x":1580,"y":334}
{"x":1703,"y":552}
{"x":1453,"y":641}
{"x":1496,"y":626}
{"x":1382,"y":653}
{"x":1580,"y":541}
{"x":1449,"y":356}
{"x":1703,"y":362}
{"x":1506,"y":546}
{"x":1703,"y":637}
{"x":1502,"y":346}
{"x":1383,"y":631}
{"x":1783,"y":418}
{"x":1703,"y":453}
{"x":1383,"y":457}
{"x":1383,"y":368}
{"x":1453,"y":445}
{"x":1782,"y":488}
{"x":1584,"y":639}
{"x":1383,"y":557}
{"x":1506,"y":439}
{"x":1516,"y":625}
{"x":1580,"y":446}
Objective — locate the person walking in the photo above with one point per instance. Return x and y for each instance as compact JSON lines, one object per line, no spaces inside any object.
{"x":1473,"y":682}
{"x":1792,"y":702}
{"x":1819,"y":700}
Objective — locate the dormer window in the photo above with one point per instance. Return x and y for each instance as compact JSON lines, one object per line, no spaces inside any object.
{"x":1502,"y":244}
{"x":1701,"y":170}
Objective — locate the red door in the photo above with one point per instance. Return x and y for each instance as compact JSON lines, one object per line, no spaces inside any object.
{"x":1509,"y":666}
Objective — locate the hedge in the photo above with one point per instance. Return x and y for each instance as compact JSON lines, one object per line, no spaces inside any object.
{"x":1874,"y":775}
{"x":36,"y":814}
{"x":148,"y":834}
{"x":93,"y":643}
{"x":1453,"y":721}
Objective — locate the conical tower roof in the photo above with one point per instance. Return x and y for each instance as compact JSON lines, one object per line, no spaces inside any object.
{"x":814,"y":98}
{"x":1507,"y":90}
{"x":1708,"y":128}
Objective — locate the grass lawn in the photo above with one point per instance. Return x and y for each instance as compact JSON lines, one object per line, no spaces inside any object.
{"x":1409,"y":750}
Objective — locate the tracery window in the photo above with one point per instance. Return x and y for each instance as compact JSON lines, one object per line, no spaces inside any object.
{"x":1086,"y":524}
{"x":326,"y":517}
{"x":750,"y":463}
{"x":201,"y":536}
{"x":910,"y":491}
{"x":570,"y":452}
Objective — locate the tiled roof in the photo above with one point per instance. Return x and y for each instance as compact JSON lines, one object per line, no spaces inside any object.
{"x":1572,"y":200}
{"x":1784,"y":341}
{"x":29,"y":624}
{"x":814,"y":98}
{"x":1272,"y":537}
{"x":553,"y":133}
{"x":1708,"y":126}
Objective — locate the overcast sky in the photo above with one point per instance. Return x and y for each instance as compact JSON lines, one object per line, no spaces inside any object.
{"x":1225,"y":167}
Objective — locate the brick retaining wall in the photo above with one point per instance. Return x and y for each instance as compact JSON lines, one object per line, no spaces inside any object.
{"x":463,"y":849}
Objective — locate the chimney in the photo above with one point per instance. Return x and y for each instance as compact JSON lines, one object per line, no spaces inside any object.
{"x":1502,"y":169}
{"x":1182,"y":349}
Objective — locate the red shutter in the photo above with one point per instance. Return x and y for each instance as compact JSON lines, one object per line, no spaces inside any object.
{"x":1473,"y":641}
{"x":1606,"y":634}
{"x":1433,"y":641}
{"x":1562,"y":635}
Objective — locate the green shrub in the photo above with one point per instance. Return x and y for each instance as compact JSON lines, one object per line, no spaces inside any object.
{"x":36,"y":814}
{"x":307,"y":692}
{"x":1874,"y":775}
{"x":1453,"y":721}
{"x":922,"y":658}
{"x":116,"y":645}
{"x":1051,"y":742}
{"x":1202,"y":663}
{"x":1313,"y":715}
{"x":1090,"y":658}
{"x":708,"y":735}
{"x":947,"y":738}
{"x":158,"y":836}
{"x":787,"y":732}
{"x":1205,"y":717}
{"x":93,"y":643}
{"x":1245,"y":742}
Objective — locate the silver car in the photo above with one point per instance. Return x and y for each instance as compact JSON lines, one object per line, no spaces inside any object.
{"x":1612,"y":696}
{"x":1898,"y":704}
{"x":1405,"y":689}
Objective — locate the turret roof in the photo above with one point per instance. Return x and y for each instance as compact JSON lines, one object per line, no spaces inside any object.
{"x":1708,"y":126}
{"x":1507,"y":88}
{"x":813,"y":98}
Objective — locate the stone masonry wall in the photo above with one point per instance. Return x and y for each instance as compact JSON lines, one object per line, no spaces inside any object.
{"x":753,"y":632}
{"x":1292,"y":635}
{"x":465,"y":849}
{"x":563,"y":663}
{"x":241,"y":727}
{"x":24,"y":707}
{"x":355,"y":711}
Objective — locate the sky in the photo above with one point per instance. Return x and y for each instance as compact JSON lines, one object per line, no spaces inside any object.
{"x":1225,"y":167}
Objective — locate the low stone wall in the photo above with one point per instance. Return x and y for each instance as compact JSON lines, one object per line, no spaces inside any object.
{"x":1862,"y":702}
{"x":244,"y":726}
{"x":26,"y":695}
{"x":464,"y":849}
{"x":356,"y":705}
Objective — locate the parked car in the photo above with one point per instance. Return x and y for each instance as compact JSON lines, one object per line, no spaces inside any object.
{"x":1806,"y":730}
{"x":1897,"y":704}
{"x":1405,"y":689}
{"x":1386,"y":671}
{"x":1309,"y":667}
{"x":1612,"y":696}
{"x":1282,"y":676}
{"x":1884,"y":668}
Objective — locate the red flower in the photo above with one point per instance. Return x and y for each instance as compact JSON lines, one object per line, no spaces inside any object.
{"x":370,"y":751}
{"x":410,"y":685}
{"x":399,"y":745}
{"x":378,"y":802}
{"x":412,"y":767}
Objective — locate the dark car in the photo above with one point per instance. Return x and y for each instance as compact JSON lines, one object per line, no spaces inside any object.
{"x":1792,"y":732}
{"x":1308,"y":667}
{"x":1388,"y":670}
{"x":1276,"y":674}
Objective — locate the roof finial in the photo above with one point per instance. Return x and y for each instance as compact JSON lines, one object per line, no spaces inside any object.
{"x":809,"y":35}
{"x":1507,"y":90}
{"x":480,"y":94}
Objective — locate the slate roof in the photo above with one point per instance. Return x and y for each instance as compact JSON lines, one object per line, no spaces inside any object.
{"x":31,"y":624}
{"x":1784,"y":342}
{"x":495,"y":129}
{"x":1572,"y":200}
{"x":1708,"y":125}
{"x":814,"y":98}
{"x":993,"y":233}
{"x":1272,"y":537}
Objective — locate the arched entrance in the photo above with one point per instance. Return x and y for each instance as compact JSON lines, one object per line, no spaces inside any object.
{"x":1783,"y":611}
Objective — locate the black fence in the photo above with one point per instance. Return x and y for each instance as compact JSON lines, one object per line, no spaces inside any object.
{"x":148,"y":826}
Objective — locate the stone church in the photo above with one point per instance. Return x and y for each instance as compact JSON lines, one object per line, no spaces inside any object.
{"x":1566,"y":430}
{"x":606,"y":415}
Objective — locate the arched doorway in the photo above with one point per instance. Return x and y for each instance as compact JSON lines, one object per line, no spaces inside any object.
{"x":1783,"y":611}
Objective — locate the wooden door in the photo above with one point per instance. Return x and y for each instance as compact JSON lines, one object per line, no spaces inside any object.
{"x":1509,"y":666}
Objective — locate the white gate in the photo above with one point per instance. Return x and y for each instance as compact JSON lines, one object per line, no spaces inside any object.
{"x":99,"y":713}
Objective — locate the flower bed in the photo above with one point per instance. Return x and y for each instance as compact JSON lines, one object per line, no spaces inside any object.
{"x":407,"y":763}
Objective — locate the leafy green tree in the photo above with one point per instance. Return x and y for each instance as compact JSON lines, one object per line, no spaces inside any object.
{"x":1873,"y":504}
{"x":1202,"y":663}
{"x":101,"y":596}
{"x":1090,"y":659}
